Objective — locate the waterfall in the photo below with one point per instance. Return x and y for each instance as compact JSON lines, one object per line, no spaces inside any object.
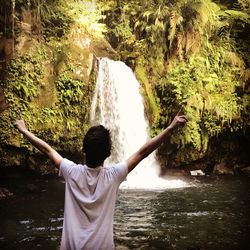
{"x":118,"y":105}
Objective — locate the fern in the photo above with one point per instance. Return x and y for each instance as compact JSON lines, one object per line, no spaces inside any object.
{"x":237,"y":15}
{"x":175,"y":20}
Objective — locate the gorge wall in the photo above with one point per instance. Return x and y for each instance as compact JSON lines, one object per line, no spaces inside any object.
{"x":46,"y":78}
{"x":189,"y":55}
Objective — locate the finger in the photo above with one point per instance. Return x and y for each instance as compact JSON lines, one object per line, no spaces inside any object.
{"x":183,"y":116}
{"x":179,"y":112}
{"x":185,"y":119}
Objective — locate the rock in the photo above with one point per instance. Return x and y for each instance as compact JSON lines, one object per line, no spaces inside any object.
{"x":3,"y":103}
{"x":4,"y":192}
{"x":197,"y":172}
{"x":221,"y":169}
{"x":41,"y":164}
{"x":11,"y":157}
{"x":246,"y":170}
{"x":6,"y":48}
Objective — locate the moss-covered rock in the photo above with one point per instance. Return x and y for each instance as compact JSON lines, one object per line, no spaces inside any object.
{"x":41,"y":164}
{"x":48,"y":82}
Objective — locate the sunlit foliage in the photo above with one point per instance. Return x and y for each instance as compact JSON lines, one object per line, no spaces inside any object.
{"x":194,"y":55}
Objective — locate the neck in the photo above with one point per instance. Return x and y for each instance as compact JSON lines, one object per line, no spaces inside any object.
{"x":94,"y":166}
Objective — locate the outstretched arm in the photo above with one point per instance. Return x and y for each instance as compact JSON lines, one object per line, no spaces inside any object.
{"x":154,"y":143}
{"x":39,"y":144}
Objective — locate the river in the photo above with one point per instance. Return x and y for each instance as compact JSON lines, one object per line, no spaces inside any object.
{"x":212,"y":213}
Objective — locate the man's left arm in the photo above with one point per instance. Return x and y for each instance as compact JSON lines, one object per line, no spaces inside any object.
{"x":154,"y":143}
{"x":39,"y":144}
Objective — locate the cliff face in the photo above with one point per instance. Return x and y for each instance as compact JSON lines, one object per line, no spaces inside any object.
{"x":47,"y":80}
{"x":193,"y":57}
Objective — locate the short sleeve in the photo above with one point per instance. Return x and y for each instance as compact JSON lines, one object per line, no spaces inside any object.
{"x":66,"y":168}
{"x":120,"y":171}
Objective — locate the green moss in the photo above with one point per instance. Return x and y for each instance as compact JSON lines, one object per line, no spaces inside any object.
{"x":22,"y":86}
{"x":205,"y":86}
{"x":24,"y":75}
{"x":60,"y":119}
{"x":141,"y":74}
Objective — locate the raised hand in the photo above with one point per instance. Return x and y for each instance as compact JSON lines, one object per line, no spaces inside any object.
{"x":20,"y":124}
{"x":39,"y":143}
{"x":178,"y":120}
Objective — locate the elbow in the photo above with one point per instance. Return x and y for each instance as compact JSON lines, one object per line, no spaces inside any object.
{"x":46,"y":151}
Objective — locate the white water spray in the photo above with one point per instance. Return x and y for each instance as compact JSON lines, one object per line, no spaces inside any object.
{"x":118,"y":105}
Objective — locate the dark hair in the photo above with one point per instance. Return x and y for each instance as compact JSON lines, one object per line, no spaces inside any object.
{"x":97,"y":145}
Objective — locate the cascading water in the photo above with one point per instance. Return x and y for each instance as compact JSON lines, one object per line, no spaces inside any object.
{"x":118,"y":105}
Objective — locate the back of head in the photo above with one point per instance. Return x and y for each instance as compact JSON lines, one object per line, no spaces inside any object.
{"x":97,"y":145}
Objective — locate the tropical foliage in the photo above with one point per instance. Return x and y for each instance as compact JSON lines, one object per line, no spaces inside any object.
{"x":42,"y":83}
{"x":194,"y":55}
{"x":50,"y":18}
{"x":188,"y":54}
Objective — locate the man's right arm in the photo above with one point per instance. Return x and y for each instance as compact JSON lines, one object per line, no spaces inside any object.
{"x":154,"y":143}
{"x":39,"y":144}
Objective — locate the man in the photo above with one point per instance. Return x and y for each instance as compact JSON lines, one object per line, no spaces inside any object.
{"x":91,"y":189}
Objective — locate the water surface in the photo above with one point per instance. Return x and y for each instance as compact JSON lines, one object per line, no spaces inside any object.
{"x":213,"y":214}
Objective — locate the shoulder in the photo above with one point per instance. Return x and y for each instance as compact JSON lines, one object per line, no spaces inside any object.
{"x":119,"y":170}
{"x":66,"y":164}
{"x":120,"y":165}
{"x":68,"y":167}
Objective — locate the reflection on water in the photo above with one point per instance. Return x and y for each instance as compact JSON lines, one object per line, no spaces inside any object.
{"x":211,"y":215}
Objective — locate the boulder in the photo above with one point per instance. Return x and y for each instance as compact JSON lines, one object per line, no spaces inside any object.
{"x":222,"y":169}
{"x":198,"y":172}
{"x":246,"y":170}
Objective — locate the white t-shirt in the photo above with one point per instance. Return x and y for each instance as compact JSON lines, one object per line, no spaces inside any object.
{"x":90,"y":195}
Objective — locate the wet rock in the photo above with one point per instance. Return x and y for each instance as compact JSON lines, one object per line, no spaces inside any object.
{"x":12,"y":156}
{"x":41,"y":164}
{"x":222,"y":169}
{"x":198,"y":172}
{"x":4,"y":192}
{"x":246,"y":170}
